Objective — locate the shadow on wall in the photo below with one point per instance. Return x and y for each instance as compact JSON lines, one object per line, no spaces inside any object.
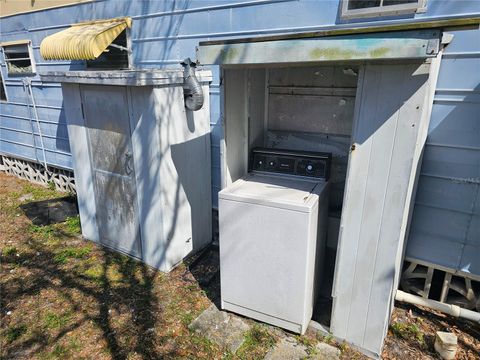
{"x":445,"y":227}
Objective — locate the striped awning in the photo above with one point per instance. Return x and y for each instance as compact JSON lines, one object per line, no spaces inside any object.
{"x":83,"y":41}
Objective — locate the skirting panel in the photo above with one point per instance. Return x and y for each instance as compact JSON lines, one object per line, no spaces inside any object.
{"x":62,"y":179}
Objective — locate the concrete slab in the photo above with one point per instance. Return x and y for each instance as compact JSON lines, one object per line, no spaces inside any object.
{"x":325,"y":351}
{"x":287,"y":348}
{"x":220,"y":327}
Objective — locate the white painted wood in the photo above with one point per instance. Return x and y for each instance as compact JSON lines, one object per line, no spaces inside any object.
{"x":171,"y":159}
{"x":184,"y":182}
{"x":256,"y":108}
{"x":145,"y":140}
{"x":236,"y":124}
{"x":417,"y":163}
{"x":81,"y":161}
{"x":386,"y":129}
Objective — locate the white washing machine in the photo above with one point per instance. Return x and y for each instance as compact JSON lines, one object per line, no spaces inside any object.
{"x":273,"y":226}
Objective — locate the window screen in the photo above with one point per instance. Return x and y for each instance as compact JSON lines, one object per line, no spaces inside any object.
{"x":18,"y":59}
{"x":3,"y":94}
{"x":115,"y":57}
{"x":359,"y":8}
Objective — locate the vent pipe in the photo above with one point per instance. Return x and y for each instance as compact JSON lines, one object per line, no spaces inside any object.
{"x":193,"y":92}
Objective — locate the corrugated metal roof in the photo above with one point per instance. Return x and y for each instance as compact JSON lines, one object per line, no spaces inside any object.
{"x":83,"y":41}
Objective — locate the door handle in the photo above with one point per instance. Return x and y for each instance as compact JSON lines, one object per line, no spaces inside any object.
{"x":128,"y":158}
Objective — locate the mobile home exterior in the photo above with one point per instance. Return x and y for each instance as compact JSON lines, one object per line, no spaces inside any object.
{"x":444,"y":231}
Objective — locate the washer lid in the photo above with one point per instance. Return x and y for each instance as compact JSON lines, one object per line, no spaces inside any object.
{"x":275,"y":190}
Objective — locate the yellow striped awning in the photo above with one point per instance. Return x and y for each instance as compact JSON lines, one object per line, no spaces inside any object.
{"x":83,"y":41}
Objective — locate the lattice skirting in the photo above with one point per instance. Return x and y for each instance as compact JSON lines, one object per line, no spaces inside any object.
{"x":456,"y":288}
{"x":31,"y":171}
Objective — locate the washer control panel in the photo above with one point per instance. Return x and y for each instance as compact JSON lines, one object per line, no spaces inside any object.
{"x":300,"y":163}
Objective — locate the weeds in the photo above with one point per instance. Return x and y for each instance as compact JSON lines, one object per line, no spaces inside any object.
{"x":13,"y":333}
{"x":9,"y":251}
{"x":257,"y":342}
{"x":39,"y":192}
{"x":72,"y":225}
{"x":408,"y":332}
{"x":55,"y":321}
{"x":44,"y":232}
{"x":64,"y":255}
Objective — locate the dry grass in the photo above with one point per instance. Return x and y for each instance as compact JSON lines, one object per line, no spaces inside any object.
{"x":62,"y":297}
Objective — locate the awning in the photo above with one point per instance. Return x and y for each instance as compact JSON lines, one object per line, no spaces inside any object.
{"x":415,"y":44}
{"x":83,"y":41}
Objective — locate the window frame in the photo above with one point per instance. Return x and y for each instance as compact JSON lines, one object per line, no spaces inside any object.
{"x":2,"y":79}
{"x":383,"y":10}
{"x":28,"y":44}
{"x":128,"y":49}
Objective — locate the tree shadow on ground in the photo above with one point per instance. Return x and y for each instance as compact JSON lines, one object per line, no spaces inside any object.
{"x":117,"y":296}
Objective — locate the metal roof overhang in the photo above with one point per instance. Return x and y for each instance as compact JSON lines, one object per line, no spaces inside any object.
{"x":83,"y":41}
{"x":417,"y":40}
{"x":379,"y":46}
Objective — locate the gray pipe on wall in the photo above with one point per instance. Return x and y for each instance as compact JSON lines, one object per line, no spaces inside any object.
{"x":193,"y":92}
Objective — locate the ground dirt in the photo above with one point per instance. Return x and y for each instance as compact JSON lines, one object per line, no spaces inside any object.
{"x":62,"y":297}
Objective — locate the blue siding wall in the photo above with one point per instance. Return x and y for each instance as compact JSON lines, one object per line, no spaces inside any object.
{"x":445,"y":227}
{"x":163,"y":33}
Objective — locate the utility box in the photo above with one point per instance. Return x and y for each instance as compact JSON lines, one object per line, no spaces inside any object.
{"x":141,"y":161}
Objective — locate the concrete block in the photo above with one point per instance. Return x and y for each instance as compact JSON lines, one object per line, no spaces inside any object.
{"x":220,"y":327}
{"x":446,"y":345}
{"x":287,"y":348}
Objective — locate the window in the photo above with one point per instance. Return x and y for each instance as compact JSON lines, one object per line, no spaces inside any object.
{"x":3,"y":92}
{"x":18,"y":57}
{"x":116,"y":56}
{"x":370,"y":8}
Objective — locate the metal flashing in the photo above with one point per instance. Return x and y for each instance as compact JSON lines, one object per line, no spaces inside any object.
{"x":414,"y":44}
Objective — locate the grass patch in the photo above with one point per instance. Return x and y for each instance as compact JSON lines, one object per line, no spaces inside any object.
{"x":66,"y":254}
{"x":257,"y":343}
{"x":9,"y":251}
{"x":14,"y":332}
{"x":72,"y":225}
{"x":44,"y":232}
{"x":55,"y":321}
{"x":307,"y":342}
{"x":408,"y":332}
{"x":39,"y":192}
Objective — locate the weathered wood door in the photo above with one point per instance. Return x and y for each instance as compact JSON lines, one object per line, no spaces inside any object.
{"x":106,"y":113}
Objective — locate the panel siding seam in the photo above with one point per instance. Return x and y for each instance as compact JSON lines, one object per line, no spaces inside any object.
{"x":37,"y":148}
{"x":461,"y":147}
{"x":38,"y":105}
{"x":27,"y":158}
{"x":473,"y":91}
{"x":30,"y":119}
{"x":35,"y":134}
{"x":433,"y":206}
{"x":36,"y":84}
{"x":381,"y":219}
{"x":462,"y":54}
{"x":208,"y":8}
{"x":454,"y":179}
